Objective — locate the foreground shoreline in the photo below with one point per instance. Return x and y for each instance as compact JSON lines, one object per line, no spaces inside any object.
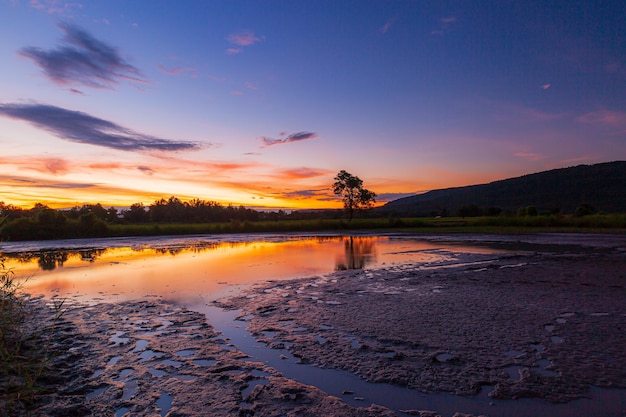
{"x":543,"y":325}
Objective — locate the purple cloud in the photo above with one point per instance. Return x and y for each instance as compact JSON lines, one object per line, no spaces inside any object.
{"x":83,"y":60}
{"x":81,"y":127}
{"x":294,"y":137}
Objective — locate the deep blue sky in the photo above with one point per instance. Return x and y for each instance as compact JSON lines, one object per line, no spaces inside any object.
{"x":263,"y":102}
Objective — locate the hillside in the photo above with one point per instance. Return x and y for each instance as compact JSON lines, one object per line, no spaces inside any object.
{"x":602,"y":186}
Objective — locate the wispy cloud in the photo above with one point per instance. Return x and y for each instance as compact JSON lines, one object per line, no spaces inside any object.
{"x":302,"y":173}
{"x":45,"y":165}
{"x":241,"y":39}
{"x":244,"y":38}
{"x":530,"y":155}
{"x":294,"y":137}
{"x":447,"y":20}
{"x":81,"y":127}
{"x":145,"y":169}
{"x":609,"y":118}
{"x":56,"y":7}
{"x":83,"y":60}
{"x":191,"y":71}
{"x":445,"y":23}
{"x":322,"y":194}
{"x":506,"y":111}
{"x":387,"y":26}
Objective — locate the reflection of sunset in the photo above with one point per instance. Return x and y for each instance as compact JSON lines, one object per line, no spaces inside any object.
{"x":202,"y":269}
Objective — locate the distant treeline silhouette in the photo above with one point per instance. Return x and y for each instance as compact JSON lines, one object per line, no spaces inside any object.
{"x":93,"y":220}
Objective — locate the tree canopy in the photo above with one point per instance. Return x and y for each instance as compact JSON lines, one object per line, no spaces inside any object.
{"x":354,"y":196}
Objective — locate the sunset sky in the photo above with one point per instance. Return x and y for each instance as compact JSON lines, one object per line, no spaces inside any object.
{"x":261,"y":103}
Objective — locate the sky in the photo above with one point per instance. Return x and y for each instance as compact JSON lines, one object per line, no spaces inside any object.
{"x":262,"y":103}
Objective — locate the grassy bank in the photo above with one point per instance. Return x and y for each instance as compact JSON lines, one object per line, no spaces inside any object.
{"x":615,"y":223}
{"x":25,"y":342}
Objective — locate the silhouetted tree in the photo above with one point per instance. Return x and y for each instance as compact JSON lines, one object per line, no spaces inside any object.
{"x":136,"y":214}
{"x":354,"y":196}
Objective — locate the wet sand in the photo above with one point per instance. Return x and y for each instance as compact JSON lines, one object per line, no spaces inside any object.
{"x":542,"y":324}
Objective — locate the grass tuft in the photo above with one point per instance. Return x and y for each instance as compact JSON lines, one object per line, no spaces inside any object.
{"x":25,"y":345}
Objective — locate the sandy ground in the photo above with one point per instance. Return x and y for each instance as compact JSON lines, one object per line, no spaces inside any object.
{"x":540,"y":324}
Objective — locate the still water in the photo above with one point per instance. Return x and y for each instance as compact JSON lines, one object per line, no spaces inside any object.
{"x":180,"y":268}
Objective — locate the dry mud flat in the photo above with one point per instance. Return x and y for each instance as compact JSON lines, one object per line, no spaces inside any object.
{"x":533,"y":325}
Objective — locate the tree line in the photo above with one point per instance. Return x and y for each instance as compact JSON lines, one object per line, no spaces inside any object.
{"x":92,"y":220}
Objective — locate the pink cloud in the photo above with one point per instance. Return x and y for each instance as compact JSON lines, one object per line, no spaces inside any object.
{"x":233,"y":51}
{"x":605,"y":117}
{"x":530,"y":155}
{"x":513,"y":112}
{"x":177,"y":70}
{"x":448,"y":20}
{"x":243,"y":38}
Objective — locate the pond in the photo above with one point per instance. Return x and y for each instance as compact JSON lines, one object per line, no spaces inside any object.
{"x":180,"y":268}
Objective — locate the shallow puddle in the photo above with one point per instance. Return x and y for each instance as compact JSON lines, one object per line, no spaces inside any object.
{"x":164,"y":403}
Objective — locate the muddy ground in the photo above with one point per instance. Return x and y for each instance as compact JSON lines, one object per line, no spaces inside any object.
{"x":556,"y":319}
{"x":540,"y":324}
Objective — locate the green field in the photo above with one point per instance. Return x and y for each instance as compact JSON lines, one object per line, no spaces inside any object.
{"x":601,"y":223}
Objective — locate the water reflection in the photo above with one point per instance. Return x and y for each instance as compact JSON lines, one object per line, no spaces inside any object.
{"x":358,"y":252}
{"x":183,"y":268}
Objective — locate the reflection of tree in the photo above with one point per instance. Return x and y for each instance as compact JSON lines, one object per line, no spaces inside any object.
{"x":50,"y":260}
{"x":358,"y":251}
{"x":90,"y":254}
{"x":172,"y":251}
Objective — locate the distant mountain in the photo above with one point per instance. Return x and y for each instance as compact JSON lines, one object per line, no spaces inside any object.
{"x":603,"y":186}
